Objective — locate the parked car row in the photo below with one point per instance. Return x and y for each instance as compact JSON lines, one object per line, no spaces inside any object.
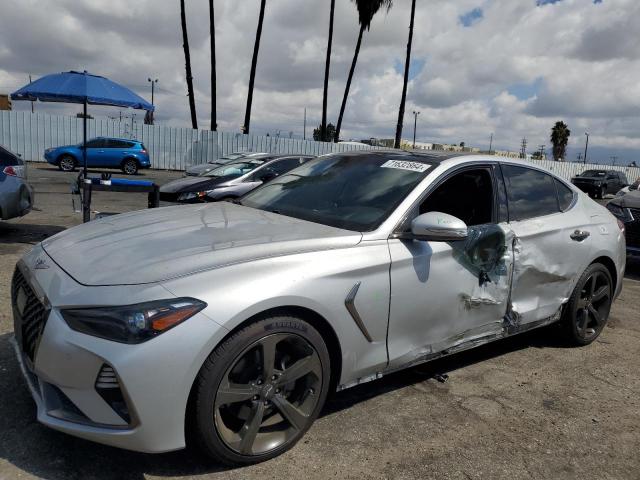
{"x":233,"y":321}
{"x":16,"y":195}
{"x":230,"y":180}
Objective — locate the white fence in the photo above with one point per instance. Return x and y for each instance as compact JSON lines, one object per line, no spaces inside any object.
{"x":29,"y":134}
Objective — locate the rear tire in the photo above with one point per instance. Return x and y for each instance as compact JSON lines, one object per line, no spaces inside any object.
{"x":130,"y":166}
{"x":67,"y":163}
{"x":587,"y":311}
{"x":260,"y":390}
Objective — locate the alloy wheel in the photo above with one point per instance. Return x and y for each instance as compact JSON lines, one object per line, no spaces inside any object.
{"x":130,"y":167}
{"x":267,"y":397}
{"x":67,"y":164}
{"x":593,"y":305}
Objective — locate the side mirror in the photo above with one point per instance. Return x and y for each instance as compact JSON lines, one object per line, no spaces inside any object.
{"x":438,"y":227}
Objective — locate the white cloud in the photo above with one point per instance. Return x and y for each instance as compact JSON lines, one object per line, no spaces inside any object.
{"x":583,"y":57}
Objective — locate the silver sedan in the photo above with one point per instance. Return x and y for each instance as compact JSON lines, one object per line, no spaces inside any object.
{"x":233,"y":322}
{"x":16,"y":195}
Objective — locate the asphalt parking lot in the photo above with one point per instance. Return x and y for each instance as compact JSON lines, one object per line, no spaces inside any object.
{"x":526,"y":407}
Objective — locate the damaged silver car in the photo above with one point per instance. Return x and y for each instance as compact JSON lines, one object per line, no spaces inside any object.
{"x":230,"y":323}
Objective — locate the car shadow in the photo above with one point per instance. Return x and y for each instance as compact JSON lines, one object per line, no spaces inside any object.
{"x":47,"y":454}
{"x":90,"y":170}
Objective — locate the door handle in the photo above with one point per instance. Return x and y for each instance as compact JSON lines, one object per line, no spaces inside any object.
{"x":579,"y":235}
{"x":100,"y":151}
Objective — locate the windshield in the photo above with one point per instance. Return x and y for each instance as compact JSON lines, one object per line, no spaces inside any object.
{"x":593,"y":173}
{"x":351,"y":192}
{"x":235,"y":169}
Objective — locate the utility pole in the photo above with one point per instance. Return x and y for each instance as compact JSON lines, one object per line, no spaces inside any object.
{"x":523,"y":148}
{"x":490,"y":142}
{"x":32,"y":109}
{"x":542,"y":151}
{"x":586,"y":146}
{"x":304,"y":128}
{"x":614,"y":158}
{"x":415,"y":124}
{"x":579,"y":157}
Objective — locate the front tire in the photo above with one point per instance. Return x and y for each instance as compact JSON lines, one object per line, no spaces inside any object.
{"x":130,"y":166}
{"x":587,"y":311}
{"x":67,"y":163}
{"x":260,"y":390}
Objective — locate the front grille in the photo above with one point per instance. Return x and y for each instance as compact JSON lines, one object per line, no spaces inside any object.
{"x":29,"y":313}
{"x":632,"y":229}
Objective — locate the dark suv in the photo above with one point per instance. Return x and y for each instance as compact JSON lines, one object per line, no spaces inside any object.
{"x":598,"y":183}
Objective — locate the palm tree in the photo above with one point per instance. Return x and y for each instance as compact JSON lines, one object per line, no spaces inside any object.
{"x":407,"y":63}
{"x":323,"y":126}
{"x":559,"y":138}
{"x":254,"y":62}
{"x":212,"y":34}
{"x":187,"y":61}
{"x":366,"y":11}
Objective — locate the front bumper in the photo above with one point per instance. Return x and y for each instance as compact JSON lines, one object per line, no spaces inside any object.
{"x":155,"y":377}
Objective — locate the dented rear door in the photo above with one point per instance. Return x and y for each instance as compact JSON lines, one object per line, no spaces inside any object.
{"x":552,"y":246}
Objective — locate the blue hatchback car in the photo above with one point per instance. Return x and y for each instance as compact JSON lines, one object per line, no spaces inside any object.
{"x":127,"y":155}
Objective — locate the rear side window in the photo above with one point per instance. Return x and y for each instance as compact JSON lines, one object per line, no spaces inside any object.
{"x":7,"y":158}
{"x":530,"y":193}
{"x":565,"y":196}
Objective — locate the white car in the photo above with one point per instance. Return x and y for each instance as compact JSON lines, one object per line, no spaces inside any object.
{"x":629,"y":188}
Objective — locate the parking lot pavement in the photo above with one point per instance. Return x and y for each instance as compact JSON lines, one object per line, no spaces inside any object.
{"x":526,"y":407}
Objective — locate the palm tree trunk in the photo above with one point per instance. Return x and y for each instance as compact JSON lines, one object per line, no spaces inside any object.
{"x":187,"y":61}
{"x":327,"y":65}
{"x":212,"y":34}
{"x":407,"y":63}
{"x":346,"y":90}
{"x":252,"y":75}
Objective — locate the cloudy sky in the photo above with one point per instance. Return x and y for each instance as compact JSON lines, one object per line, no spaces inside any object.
{"x":511,"y":67}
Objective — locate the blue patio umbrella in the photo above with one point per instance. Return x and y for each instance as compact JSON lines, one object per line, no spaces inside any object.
{"x":81,"y":87}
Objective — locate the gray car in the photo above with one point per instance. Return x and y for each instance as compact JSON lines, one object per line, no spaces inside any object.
{"x":231,"y":323}
{"x":213,"y":164}
{"x":16,"y":195}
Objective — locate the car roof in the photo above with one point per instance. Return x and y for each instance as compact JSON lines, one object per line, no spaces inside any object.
{"x":407,"y":155}
{"x":116,"y":138}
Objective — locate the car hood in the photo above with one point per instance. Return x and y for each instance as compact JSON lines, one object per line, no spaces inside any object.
{"x":162,"y":243}
{"x":194,"y":184}
{"x":630,"y":200}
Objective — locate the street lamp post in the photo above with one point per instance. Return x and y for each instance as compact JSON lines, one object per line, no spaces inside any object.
{"x":149,"y":117}
{"x":153,"y":82}
{"x":490,"y":142}
{"x":586,"y":146}
{"x":415,"y":124}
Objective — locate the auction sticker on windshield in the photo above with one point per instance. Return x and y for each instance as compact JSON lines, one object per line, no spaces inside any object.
{"x":404,"y":165}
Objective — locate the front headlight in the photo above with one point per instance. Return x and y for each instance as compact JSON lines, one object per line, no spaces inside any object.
{"x":191,"y":196}
{"x":132,"y":323}
{"x":619,"y":212}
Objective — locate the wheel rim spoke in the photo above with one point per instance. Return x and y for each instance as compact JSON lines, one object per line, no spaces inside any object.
{"x":250,"y":428}
{"x":592,"y":284}
{"x":601,"y":293}
{"x":299,"y":369}
{"x":581,"y":304}
{"x":290,"y":412}
{"x":234,"y":393}
{"x":268,"y":345}
{"x":595,"y":314}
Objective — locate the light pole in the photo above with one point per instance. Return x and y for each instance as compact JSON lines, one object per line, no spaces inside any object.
{"x":415,"y":124}
{"x":490,"y":142}
{"x":586,"y":146}
{"x":153,"y":83}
